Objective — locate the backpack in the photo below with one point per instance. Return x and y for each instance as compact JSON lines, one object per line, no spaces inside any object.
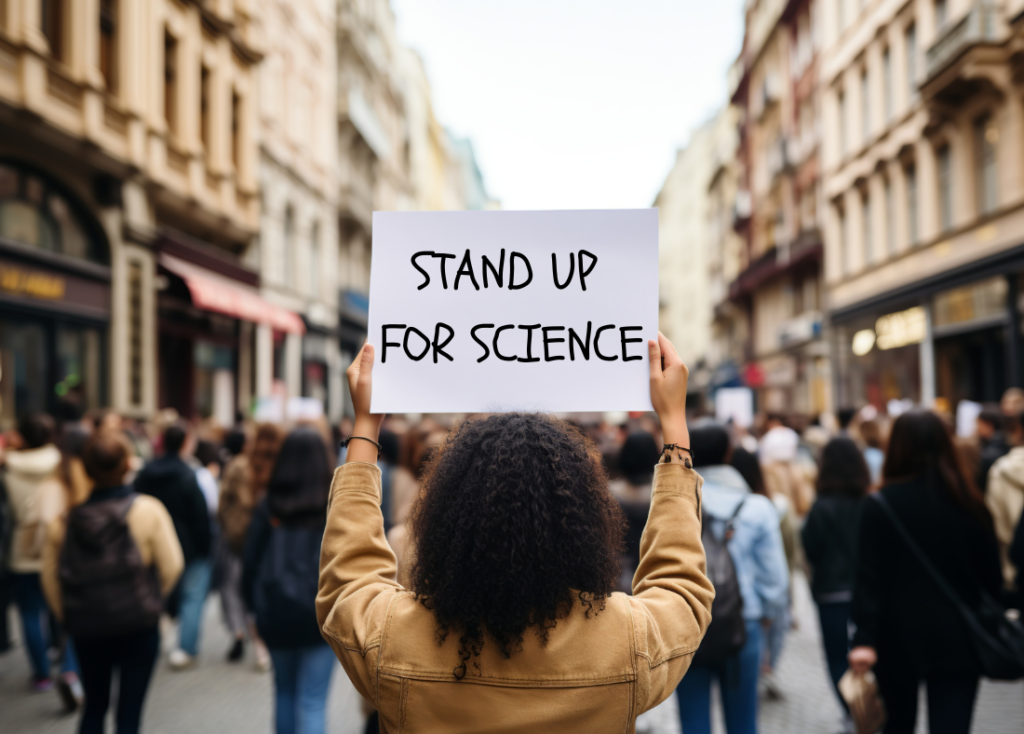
{"x":727,"y":632}
{"x":285,"y":588}
{"x":105,"y":588}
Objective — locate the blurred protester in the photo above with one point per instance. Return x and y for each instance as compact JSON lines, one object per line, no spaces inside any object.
{"x":636,"y":461}
{"x":845,"y":417}
{"x":243,"y":488}
{"x":208,"y":473}
{"x":279,"y":581}
{"x":106,"y":570}
{"x":992,"y":442}
{"x":6,"y":531}
{"x":755,"y":547}
{"x":172,"y":481}
{"x":874,"y":448}
{"x":1012,"y":402}
{"x":37,"y":497}
{"x":830,"y":545}
{"x":1016,"y":554}
{"x":1005,"y":500}
{"x":388,"y":463}
{"x":517,"y":553}
{"x":775,"y":629}
{"x":783,"y":475}
{"x":906,"y":628}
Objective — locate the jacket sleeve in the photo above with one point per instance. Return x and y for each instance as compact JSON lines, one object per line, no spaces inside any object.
{"x":810,"y":536}
{"x":771,"y":572}
{"x":163,"y":544}
{"x":255,"y":543}
{"x":672,"y":595}
{"x":50,"y":575}
{"x":866,"y":608}
{"x":357,"y":574}
{"x":199,"y":517}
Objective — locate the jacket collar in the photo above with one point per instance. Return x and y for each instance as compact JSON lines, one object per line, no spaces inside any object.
{"x":724,"y":477}
{"x":102,"y":494}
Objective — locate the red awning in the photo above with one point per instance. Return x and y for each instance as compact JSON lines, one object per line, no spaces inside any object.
{"x":214,"y":293}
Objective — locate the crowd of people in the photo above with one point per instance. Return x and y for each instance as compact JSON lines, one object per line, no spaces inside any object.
{"x":113,"y":534}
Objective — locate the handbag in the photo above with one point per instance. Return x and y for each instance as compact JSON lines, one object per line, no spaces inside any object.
{"x":865,"y":704}
{"x":997,"y":635}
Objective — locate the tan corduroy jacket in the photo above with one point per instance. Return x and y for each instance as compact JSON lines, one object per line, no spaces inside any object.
{"x":594,"y":675}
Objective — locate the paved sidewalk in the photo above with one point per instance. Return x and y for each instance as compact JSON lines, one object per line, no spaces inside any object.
{"x":219,"y":697}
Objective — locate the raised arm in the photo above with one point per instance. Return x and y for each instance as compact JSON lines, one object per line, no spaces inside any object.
{"x":672,"y":594}
{"x":357,"y":567}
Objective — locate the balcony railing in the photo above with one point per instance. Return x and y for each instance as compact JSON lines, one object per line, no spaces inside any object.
{"x":982,"y":24}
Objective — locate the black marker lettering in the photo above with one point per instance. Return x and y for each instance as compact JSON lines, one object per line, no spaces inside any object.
{"x":444,"y":275}
{"x":529,"y":343}
{"x":472,"y":333}
{"x":466,"y":268}
{"x":426,"y":275}
{"x":597,"y":337}
{"x":439,"y":348}
{"x":384,"y":338}
{"x":625,"y":341}
{"x":585,"y":272}
{"x":498,"y":354}
{"x":499,"y":274}
{"x":584,"y":345}
{"x":547,"y":340}
{"x":554,"y":270}
{"x":512,"y":271}
{"x":405,"y":344}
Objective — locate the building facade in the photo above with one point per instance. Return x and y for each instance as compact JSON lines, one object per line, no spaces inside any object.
{"x":129,"y":202}
{"x":922,"y":178}
{"x":775,"y":87}
{"x":298,"y":253}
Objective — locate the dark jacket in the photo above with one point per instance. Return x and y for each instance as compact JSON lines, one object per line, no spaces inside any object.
{"x":280,"y":574}
{"x":173,"y":482}
{"x":830,"y":543}
{"x":992,"y":450}
{"x":1017,"y":553}
{"x":897,"y":608}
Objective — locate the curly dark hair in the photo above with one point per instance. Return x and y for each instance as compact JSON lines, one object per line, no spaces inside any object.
{"x":513,"y":526}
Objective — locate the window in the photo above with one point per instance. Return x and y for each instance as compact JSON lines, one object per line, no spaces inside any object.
{"x":910,"y":46}
{"x":945,"y":164}
{"x":108,"y":43}
{"x":287,"y":251}
{"x":940,"y":15}
{"x":869,"y":242}
{"x":51,"y":22}
{"x":986,"y":136}
{"x":135,"y":347}
{"x":170,"y":81}
{"x":887,"y":83}
{"x":204,"y":108}
{"x":842,"y":124}
{"x":865,"y":107}
{"x":236,"y":131}
{"x":890,"y":219}
{"x":910,"y":174}
{"x":314,"y":261}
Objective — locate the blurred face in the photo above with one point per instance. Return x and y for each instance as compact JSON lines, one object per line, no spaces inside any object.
{"x":985,"y":429}
{"x":263,"y":456}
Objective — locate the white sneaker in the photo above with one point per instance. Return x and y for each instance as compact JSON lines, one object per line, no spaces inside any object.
{"x":179,"y":659}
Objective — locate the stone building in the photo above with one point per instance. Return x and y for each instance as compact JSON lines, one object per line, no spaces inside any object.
{"x":774,"y":83}
{"x":922,"y":177}
{"x":129,"y":202}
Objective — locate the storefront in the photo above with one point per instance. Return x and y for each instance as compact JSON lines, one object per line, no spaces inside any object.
{"x":952,"y":343}
{"x":207,"y":307}
{"x":54,"y":299}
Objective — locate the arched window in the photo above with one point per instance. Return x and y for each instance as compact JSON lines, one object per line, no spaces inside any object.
{"x":38,"y":212}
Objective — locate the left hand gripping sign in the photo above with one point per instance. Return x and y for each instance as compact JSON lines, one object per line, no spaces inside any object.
{"x":497,"y":311}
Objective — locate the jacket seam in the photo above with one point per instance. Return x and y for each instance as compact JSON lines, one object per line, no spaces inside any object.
{"x":633,"y":700}
{"x":380,"y":655}
{"x":509,"y":682}
{"x":671,"y":656}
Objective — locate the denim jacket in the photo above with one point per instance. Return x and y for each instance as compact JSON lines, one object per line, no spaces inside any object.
{"x":756,"y":545}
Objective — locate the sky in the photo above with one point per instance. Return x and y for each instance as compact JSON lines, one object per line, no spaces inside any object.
{"x":574,"y":104}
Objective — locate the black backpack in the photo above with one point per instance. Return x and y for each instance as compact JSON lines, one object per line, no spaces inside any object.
{"x":106,"y":590}
{"x":727,"y":632}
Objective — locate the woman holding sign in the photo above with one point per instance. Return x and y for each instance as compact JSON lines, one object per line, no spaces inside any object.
{"x":511,"y":623}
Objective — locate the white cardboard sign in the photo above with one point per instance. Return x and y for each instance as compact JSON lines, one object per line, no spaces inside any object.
{"x":492,"y":311}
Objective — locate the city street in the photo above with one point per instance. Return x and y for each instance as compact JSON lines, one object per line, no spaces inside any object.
{"x":219,"y":697}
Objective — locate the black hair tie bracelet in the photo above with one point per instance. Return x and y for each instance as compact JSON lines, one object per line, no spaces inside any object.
{"x":677,"y":448}
{"x":344,"y":443}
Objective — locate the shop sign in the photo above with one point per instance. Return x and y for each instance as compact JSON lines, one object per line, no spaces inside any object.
{"x":901,"y":329}
{"x":33,"y":286}
{"x":31,"y":283}
{"x":779,"y":371}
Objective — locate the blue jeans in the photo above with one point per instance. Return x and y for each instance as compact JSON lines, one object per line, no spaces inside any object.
{"x":737,"y":680}
{"x":835,"y":638}
{"x":38,"y":626}
{"x":195,"y":583}
{"x":302,"y":676}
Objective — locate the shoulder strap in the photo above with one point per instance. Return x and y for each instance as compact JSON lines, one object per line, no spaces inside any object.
{"x":914,"y":548}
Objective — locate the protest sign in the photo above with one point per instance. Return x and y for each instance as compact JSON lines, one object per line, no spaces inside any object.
{"x":491,"y":311}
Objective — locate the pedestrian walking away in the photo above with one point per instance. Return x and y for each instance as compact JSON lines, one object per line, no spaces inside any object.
{"x":106,"y":571}
{"x":511,"y":621}
{"x":280,"y":576}
{"x":1005,"y":500}
{"x":172,"y":481}
{"x":906,"y":628}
